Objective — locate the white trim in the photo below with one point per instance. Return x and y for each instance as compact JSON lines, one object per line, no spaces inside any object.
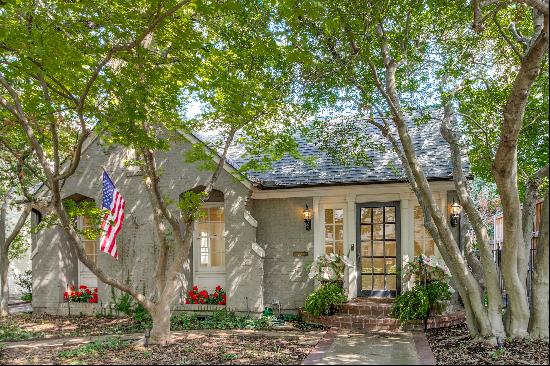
{"x":378,"y":192}
{"x":317,"y":229}
{"x":352,"y":236}
{"x":251,"y":220}
{"x":217,"y":273}
{"x":89,"y":277}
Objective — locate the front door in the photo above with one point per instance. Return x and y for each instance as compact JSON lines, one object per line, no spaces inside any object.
{"x":379,"y":249}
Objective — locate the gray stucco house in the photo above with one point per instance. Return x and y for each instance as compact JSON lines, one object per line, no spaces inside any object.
{"x":254,"y":242}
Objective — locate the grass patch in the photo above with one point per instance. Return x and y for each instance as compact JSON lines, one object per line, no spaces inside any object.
{"x":97,"y":347}
{"x":10,"y":332}
{"x":220,"y":319}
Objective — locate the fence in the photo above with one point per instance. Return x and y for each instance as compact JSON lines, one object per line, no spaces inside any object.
{"x":496,"y":246}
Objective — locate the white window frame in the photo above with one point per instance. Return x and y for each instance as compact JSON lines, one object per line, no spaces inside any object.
{"x":196,"y":245}
{"x":334,"y":206}
{"x":81,"y":267}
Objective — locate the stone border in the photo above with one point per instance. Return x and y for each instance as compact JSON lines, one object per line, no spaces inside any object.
{"x":321,"y":348}
{"x":423,"y":349}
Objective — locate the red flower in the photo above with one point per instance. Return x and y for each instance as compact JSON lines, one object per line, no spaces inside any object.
{"x":190,"y":293}
{"x":220,"y":303}
{"x":195,"y":288}
{"x":66,"y":295}
{"x":78,"y":293}
{"x":88,"y":291}
{"x":95,"y":290}
{"x":195,"y":302}
{"x":82,"y":287}
{"x":187,"y":301}
{"x":71,"y":287}
{"x":218,"y":288}
{"x":202,"y":301}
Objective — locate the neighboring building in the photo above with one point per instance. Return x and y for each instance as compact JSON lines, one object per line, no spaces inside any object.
{"x":254,"y":242}
{"x":21,"y":264}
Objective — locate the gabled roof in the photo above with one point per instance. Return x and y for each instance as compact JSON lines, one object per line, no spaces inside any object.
{"x":432,"y":151}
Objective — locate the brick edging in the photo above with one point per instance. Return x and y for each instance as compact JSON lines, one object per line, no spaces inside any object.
{"x":423,"y":349}
{"x":321,"y":348}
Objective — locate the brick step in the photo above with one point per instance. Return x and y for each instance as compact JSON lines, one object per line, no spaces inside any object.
{"x":367,"y":307}
{"x":369,"y":323}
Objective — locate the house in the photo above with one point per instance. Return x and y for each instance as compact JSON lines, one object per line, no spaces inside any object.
{"x":254,"y":242}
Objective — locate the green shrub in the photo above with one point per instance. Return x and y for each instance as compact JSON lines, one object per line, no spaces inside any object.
{"x":416,"y":303}
{"x":24,"y":280}
{"x":220,"y":319}
{"x":325,"y":300}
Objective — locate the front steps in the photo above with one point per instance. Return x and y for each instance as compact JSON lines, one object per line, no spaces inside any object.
{"x":373,"y":315}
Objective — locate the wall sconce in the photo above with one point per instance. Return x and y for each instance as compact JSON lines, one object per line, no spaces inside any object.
{"x":455,"y":213}
{"x":307,"y":218}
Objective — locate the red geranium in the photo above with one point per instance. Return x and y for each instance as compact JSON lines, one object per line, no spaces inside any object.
{"x":194,"y":296}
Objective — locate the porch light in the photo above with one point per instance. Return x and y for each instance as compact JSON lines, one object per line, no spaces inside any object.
{"x":455,"y":213}
{"x":307,"y":218}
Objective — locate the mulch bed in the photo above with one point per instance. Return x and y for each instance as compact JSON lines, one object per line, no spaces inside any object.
{"x":215,"y":347}
{"x":453,"y":346}
{"x":46,"y":326}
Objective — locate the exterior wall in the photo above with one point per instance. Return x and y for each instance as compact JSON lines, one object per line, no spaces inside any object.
{"x":281,"y":232}
{"x":20,"y":265}
{"x":55,"y":266}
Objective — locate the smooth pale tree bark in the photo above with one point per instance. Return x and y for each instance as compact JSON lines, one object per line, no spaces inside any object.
{"x":489,"y":267}
{"x":538,"y":323}
{"x":5,"y":243}
{"x":527,"y":221}
{"x":505,"y":173}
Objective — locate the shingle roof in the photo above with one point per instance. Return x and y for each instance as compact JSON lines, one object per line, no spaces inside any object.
{"x":432,"y":151}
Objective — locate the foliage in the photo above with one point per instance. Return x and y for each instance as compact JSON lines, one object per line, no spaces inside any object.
{"x":220,"y":319}
{"x":97,"y":347}
{"x":82,"y":294}
{"x":194,"y":296}
{"x":11,"y":332}
{"x":325,"y":299}
{"x":126,"y":304}
{"x":24,"y":281}
{"x":422,"y":266}
{"x":329,"y":267}
{"x":89,"y":210}
{"x":415,"y":304}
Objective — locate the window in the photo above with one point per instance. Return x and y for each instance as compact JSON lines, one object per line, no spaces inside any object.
{"x":423,"y":241}
{"x":334,"y":231}
{"x":91,"y":246}
{"x":209,"y":238}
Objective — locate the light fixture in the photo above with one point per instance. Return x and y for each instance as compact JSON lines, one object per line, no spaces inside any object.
{"x":455,"y":213}
{"x":307,"y":218}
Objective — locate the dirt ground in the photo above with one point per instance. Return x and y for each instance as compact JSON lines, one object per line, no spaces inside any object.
{"x":453,"y":346}
{"x":191,"y":347}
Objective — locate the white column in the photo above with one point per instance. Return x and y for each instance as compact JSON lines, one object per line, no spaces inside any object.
{"x":407,"y":233}
{"x":317,"y":229}
{"x":350,"y":240}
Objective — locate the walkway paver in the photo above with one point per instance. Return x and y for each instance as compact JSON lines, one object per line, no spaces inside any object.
{"x":344,"y":347}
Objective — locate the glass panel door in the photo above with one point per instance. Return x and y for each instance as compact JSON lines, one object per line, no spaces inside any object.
{"x":379,"y":250}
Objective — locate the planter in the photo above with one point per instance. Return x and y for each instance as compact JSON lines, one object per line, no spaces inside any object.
{"x":78,"y":308}
{"x":198,"y":309}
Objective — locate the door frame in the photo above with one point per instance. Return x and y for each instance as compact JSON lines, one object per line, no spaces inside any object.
{"x":398,"y":256}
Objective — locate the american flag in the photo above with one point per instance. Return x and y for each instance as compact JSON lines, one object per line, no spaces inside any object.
{"x":112,"y":222}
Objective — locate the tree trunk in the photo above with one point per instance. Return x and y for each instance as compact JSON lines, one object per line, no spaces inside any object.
{"x":538,"y":323}
{"x":160,"y":333}
{"x":4,"y":291}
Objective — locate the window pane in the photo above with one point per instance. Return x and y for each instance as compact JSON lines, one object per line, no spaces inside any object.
{"x":339,"y":232}
{"x":204,"y":215}
{"x":216,"y":229}
{"x":216,"y":214}
{"x":390,"y":249}
{"x":390,"y":231}
{"x":378,"y":283}
{"x":366,"y":248}
{"x":366,"y":215}
{"x":203,"y":229}
{"x":391,"y":284}
{"x":378,"y":247}
{"x":366,"y":232}
{"x":378,"y":265}
{"x":217,"y":256}
{"x":329,"y":247}
{"x":329,"y":232}
{"x":390,"y":265}
{"x":377,"y":214}
{"x":366,"y":282}
{"x":378,"y":232}
{"x":339,"y":216}
{"x":366,"y":265}
{"x":204,"y":252}
{"x":329,"y":216}
{"x":390,"y":214}
{"x":340,"y":248}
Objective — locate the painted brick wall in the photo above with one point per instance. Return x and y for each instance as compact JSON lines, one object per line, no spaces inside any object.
{"x":54,"y":264}
{"x":281,"y":232}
